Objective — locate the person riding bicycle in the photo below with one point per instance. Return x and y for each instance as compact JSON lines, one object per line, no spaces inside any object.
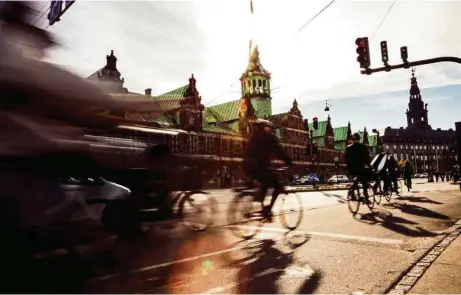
{"x":358,"y":162}
{"x":260,"y":149}
{"x":391,"y":167}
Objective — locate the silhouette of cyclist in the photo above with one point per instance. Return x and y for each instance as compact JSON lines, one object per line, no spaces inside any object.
{"x":261,"y":147}
{"x":358,"y":162}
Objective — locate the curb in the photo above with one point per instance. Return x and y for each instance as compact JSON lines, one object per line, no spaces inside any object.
{"x":414,"y":273}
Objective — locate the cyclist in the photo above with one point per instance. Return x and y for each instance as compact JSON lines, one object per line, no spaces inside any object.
{"x":261,"y":147}
{"x":392,"y":170}
{"x":358,"y":163}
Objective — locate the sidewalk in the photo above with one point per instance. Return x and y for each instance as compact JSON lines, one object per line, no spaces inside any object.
{"x":444,"y":275}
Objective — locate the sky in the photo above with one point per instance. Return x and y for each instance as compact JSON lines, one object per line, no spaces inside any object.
{"x":159,"y":44}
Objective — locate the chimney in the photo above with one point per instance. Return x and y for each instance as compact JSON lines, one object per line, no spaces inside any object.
{"x":148,"y":92}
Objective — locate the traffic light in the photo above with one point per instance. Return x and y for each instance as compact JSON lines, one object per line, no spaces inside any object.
{"x":363,"y":52}
{"x":306,"y":125}
{"x":404,"y":54}
{"x":315,"y":123}
{"x":384,"y":53}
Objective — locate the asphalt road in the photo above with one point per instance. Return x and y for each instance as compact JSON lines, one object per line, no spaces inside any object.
{"x":331,"y":252}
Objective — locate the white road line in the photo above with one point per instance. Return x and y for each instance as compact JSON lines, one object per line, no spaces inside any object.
{"x":332,"y":235}
{"x":155,"y":266}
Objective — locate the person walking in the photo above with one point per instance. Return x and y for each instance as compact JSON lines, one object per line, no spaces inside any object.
{"x":407,"y":175}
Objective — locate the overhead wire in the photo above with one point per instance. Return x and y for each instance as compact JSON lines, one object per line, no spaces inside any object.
{"x":294,"y":34}
{"x":382,"y":21}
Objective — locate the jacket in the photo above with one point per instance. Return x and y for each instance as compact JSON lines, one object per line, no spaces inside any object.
{"x":261,"y":147}
{"x":357,"y":158}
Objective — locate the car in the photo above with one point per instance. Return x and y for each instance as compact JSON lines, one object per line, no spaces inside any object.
{"x":338,"y":179}
{"x":417,"y":175}
{"x":423,"y":175}
{"x":308,"y":180}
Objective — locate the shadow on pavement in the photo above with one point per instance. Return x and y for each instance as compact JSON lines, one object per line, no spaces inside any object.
{"x":263,"y":268}
{"x":394,"y":223}
{"x":341,"y":199}
{"x":418,"y":200}
{"x":417,"y":210}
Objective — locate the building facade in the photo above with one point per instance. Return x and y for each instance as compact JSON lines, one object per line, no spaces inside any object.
{"x":214,"y":137}
{"x":429,"y":150}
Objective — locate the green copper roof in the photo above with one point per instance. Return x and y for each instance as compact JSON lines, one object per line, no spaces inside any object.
{"x":177,"y":93}
{"x":218,"y":128}
{"x":320,"y":132}
{"x":234,"y":126}
{"x":340,"y":133}
{"x":319,"y":140}
{"x":340,"y":146}
{"x":228,"y":111}
{"x":372,"y":140}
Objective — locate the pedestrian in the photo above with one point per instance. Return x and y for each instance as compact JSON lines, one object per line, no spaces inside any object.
{"x":407,"y":174}
{"x":437,"y":175}
{"x":442,"y":176}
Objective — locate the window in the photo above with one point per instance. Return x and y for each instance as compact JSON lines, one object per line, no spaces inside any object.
{"x":401,"y":147}
{"x":386,"y":147}
{"x":193,"y":143}
{"x":395,"y":147}
{"x":208,"y":144}
{"x":174,"y":144}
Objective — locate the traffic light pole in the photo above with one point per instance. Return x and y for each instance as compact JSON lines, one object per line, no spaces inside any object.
{"x":412,"y":64}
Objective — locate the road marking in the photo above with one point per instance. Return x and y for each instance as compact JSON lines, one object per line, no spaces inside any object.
{"x":331,"y":235}
{"x":155,"y":266}
{"x":289,"y":271}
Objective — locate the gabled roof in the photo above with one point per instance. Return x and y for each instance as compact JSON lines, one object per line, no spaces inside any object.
{"x":173,"y":94}
{"x":218,"y":128}
{"x":228,"y":111}
{"x":161,"y":119}
{"x":94,"y":76}
{"x":340,"y":133}
{"x":278,"y":119}
{"x":320,"y":132}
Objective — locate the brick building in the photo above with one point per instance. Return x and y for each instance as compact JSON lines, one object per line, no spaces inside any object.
{"x":214,"y":137}
{"x":428,"y":149}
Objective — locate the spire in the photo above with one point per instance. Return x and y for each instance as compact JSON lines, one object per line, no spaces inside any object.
{"x":191,"y":90}
{"x":329,"y":129}
{"x":417,"y":110}
{"x":349,"y":131}
{"x":111,"y":61}
{"x":295,"y":110}
{"x":414,"y":89}
{"x":365,"y":136}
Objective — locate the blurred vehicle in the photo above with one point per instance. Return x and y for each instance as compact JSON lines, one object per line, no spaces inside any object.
{"x":338,"y":179}
{"x":308,"y":180}
{"x":417,"y":175}
{"x":423,"y":175}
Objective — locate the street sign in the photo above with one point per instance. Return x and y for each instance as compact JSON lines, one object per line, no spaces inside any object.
{"x":57,"y":9}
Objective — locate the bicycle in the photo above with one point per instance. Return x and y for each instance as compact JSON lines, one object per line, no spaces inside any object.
{"x":355,"y":197}
{"x":248,"y":202}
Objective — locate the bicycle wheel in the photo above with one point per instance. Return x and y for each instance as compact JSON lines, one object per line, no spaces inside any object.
{"x":245,"y":215}
{"x":377,"y":193}
{"x":197,"y":210}
{"x":291,"y":210}
{"x":353,"y":200}
{"x":388,"y":194}
{"x":371,"y":198}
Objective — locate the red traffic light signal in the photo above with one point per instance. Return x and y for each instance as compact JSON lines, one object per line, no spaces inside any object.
{"x":363,"y":51}
{"x":315,"y":123}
